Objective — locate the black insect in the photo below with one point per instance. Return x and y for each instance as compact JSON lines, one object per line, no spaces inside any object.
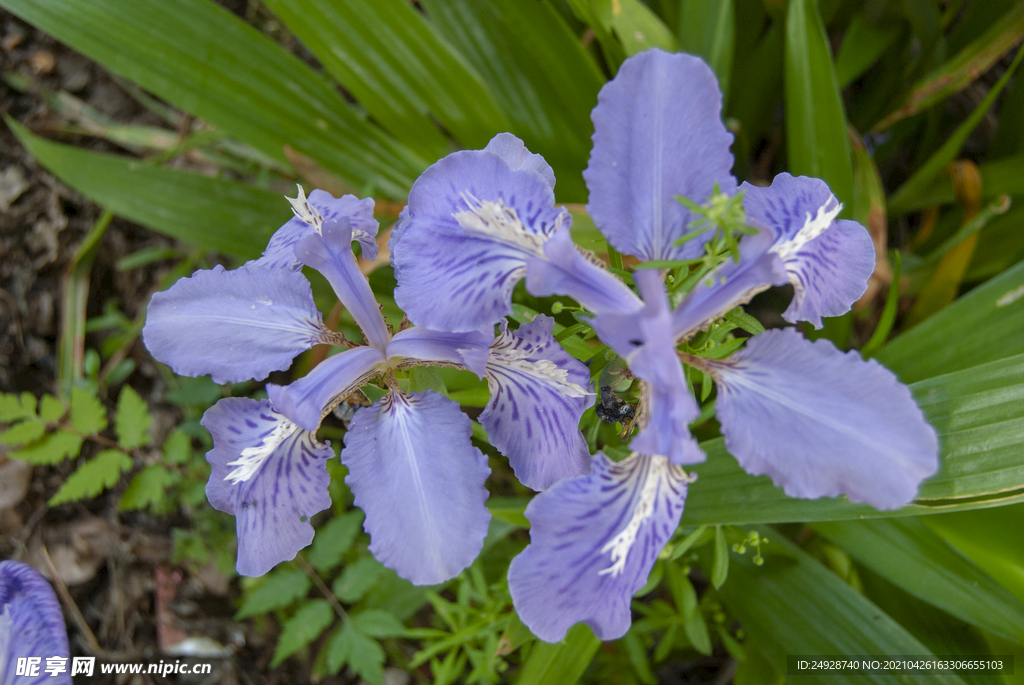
{"x":613,"y":409}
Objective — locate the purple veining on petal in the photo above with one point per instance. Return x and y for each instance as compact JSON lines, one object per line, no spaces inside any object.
{"x":827,"y":261}
{"x":31,"y":625}
{"x":472,"y":223}
{"x":331,"y":255}
{"x":270,"y":474}
{"x":658,"y":133}
{"x":306,"y":400}
{"x":733,"y":284}
{"x":280,"y":250}
{"x":593,"y":541}
{"x":469,"y":349}
{"x":420,"y":481}
{"x":538,"y":393}
{"x":645,"y":341}
{"x":234,"y":325}
{"x":821,"y":422}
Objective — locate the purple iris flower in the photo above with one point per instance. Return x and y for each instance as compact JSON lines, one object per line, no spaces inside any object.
{"x":31,"y":626}
{"x":817,"y":421}
{"x":412,"y":466}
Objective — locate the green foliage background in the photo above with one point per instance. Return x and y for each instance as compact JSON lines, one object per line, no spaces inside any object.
{"x":860,"y":93}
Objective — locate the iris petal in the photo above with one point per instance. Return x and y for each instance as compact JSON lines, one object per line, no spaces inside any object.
{"x":538,"y":393}
{"x":31,"y":624}
{"x":280,"y":250}
{"x":593,"y":541}
{"x":658,"y":133}
{"x":420,"y":481}
{"x":821,"y":422}
{"x":234,"y":325}
{"x":270,"y":474}
{"x":469,"y":349}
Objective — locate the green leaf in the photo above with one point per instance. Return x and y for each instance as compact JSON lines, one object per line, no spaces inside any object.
{"x":177,"y":447}
{"x":333,"y":539}
{"x":793,"y":605}
{"x":357,"y":578}
{"x":720,"y":570}
{"x":1000,"y":177}
{"x":909,"y":554}
{"x":561,"y":663}
{"x":88,"y":415}
{"x":362,"y":654}
{"x":51,"y":409}
{"x":147,"y":488}
{"x":426,"y":378}
{"x":978,"y":414}
{"x":708,"y":29}
{"x":132,"y":419}
{"x":23,"y":433}
{"x":397,"y":66}
{"x":509,"y":509}
{"x":212,"y":213}
{"x":541,"y":76}
{"x":199,"y":56}
{"x":639,"y":29}
{"x":958,"y":73}
{"x":312,"y":619}
{"x":638,"y":658}
{"x":377,"y":623}
{"x":14,"y":407}
{"x":685,"y":596}
{"x":53,"y":448}
{"x":979,"y":327}
{"x":863,"y":43}
{"x":816,"y":135}
{"x":940,"y":159}
{"x":93,"y":477}
{"x":279,"y":589}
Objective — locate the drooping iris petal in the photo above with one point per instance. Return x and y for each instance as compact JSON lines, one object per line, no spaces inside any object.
{"x":820,"y":422}
{"x":472,"y":223}
{"x":593,"y":541}
{"x":658,"y":133}
{"x":234,"y":325}
{"x":515,"y":154}
{"x":538,"y":393}
{"x":645,"y":340}
{"x":306,"y":400}
{"x":733,"y":284}
{"x":270,"y":474}
{"x":565,"y":271}
{"x":469,"y":349}
{"x":331,"y":255}
{"x":280,"y":250}
{"x":420,"y":481}
{"x":827,"y":261}
{"x":31,"y":625}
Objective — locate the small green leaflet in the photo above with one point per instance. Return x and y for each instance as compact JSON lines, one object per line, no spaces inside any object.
{"x":362,"y":654}
{"x":87,"y":413}
{"x":305,"y":626}
{"x":93,"y":477}
{"x":279,"y":589}
{"x":51,"y":409}
{"x":177,"y":447}
{"x":132,"y":419}
{"x":23,"y":433}
{"x":53,"y":448}
{"x":357,"y":579}
{"x":147,"y":488}
{"x":720,"y":570}
{"x":333,"y":539}
{"x":14,"y":407}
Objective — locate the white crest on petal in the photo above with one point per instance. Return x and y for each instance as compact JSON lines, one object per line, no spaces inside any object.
{"x":251,"y":458}
{"x":812,"y":228}
{"x":658,"y":470}
{"x":499,"y":222}
{"x":511,"y":352}
{"x":305,"y":211}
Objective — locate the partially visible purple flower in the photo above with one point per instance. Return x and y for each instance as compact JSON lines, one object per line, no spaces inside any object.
{"x":31,"y":625}
{"x":412,"y":466}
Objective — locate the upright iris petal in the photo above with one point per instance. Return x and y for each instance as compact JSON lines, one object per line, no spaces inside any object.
{"x":821,"y":422}
{"x":414,"y":471}
{"x":310,"y":215}
{"x":234,"y":325}
{"x":538,"y":393}
{"x":827,"y":261}
{"x":646,"y":342}
{"x":475,"y":221}
{"x":31,"y":625}
{"x":270,"y":474}
{"x":469,"y":349}
{"x":658,"y":133}
{"x":329,"y":251}
{"x":593,"y":541}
